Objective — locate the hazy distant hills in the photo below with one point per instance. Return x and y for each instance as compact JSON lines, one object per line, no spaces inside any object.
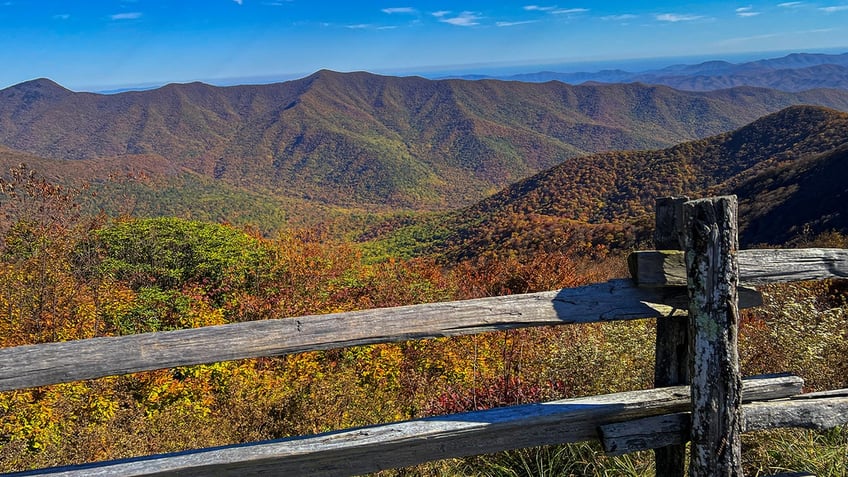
{"x":788,"y":169}
{"x":359,"y":139}
{"x":793,"y":73}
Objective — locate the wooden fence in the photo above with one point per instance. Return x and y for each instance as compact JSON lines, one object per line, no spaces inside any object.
{"x":692,"y":293}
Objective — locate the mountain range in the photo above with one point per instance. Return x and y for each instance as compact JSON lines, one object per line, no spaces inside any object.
{"x":787,"y":169}
{"x":793,"y":73}
{"x":358,"y":140}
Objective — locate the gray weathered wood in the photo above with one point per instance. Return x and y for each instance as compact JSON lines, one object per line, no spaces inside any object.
{"x":658,"y":268}
{"x":369,"y":449}
{"x":668,"y":222}
{"x":818,"y":394}
{"x":38,"y":365}
{"x":671,"y":365}
{"x":812,"y":413}
{"x":673,"y":429}
{"x":711,"y":243}
{"x":653,"y":432}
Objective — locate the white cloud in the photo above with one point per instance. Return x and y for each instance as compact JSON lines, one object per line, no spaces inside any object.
{"x":358,"y":26}
{"x":746,"y":12}
{"x":675,"y":17}
{"x":769,"y":36}
{"x":554,"y":9}
{"x":240,"y":2}
{"x":509,"y":24}
{"x":463,"y":19}
{"x":834,"y":9}
{"x":126,"y":16}
{"x":620,"y":18}
{"x":441,"y":13}
{"x":790,"y":4}
{"x":745,"y":39}
{"x":398,"y":10}
{"x":569,"y":11}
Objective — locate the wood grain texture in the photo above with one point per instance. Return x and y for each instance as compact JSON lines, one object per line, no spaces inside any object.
{"x":812,"y":413}
{"x":43,"y":364}
{"x":711,"y":242}
{"x":671,"y":364}
{"x":652,"y":432}
{"x":369,"y":449}
{"x":659,"y":268}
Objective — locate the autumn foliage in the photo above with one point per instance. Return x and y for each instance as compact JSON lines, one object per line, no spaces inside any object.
{"x":66,"y":276}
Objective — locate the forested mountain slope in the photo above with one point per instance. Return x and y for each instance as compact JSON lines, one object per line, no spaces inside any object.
{"x":786,"y":168}
{"x":353,"y":139}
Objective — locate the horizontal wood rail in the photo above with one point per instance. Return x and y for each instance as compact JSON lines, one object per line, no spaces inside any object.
{"x":662,"y":268}
{"x":369,"y":449}
{"x":52,"y":363}
{"x":822,"y":411}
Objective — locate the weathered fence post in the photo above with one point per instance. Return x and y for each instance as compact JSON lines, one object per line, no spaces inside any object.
{"x":672,"y":343}
{"x":711,"y":242}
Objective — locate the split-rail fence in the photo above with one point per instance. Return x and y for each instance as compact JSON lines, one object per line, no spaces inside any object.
{"x":693,"y":285}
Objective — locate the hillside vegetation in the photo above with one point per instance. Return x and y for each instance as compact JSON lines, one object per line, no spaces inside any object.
{"x":357,"y":139}
{"x":270,"y":182}
{"x":777,"y":164}
{"x":65,"y":275}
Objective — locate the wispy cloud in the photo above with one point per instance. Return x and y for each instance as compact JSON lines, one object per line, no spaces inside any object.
{"x":510,"y":24}
{"x":359,"y":26}
{"x":746,"y":12}
{"x":462,"y":19}
{"x":126,"y":16}
{"x":769,"y":36}
{"x":393,"y":10}
{"x":240,"y":2}
{"x":834,"y":8}
{"x":620,"y":18}
{"x":569,"y":11}
{"x":790,"y":4}
{"x":554,"y":9}
{"x":62,"y":16}
{"x":676,"y":17}
{"x":746,"y":39}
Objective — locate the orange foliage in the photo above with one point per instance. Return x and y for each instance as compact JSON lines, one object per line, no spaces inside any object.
{"x":48,"y":294}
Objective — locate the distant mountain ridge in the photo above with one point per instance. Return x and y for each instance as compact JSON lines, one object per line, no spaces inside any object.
{"x":788,"y":169}
{"x":792,"y":73}
{"x":358,"y":139}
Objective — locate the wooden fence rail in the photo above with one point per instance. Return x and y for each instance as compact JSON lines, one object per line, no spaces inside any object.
{"x":52,"y":363}
{"x":669,"y":286}
{"x":369,"y":449}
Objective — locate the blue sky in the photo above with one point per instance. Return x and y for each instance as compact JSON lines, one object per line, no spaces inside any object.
{"x":86,"y":45}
